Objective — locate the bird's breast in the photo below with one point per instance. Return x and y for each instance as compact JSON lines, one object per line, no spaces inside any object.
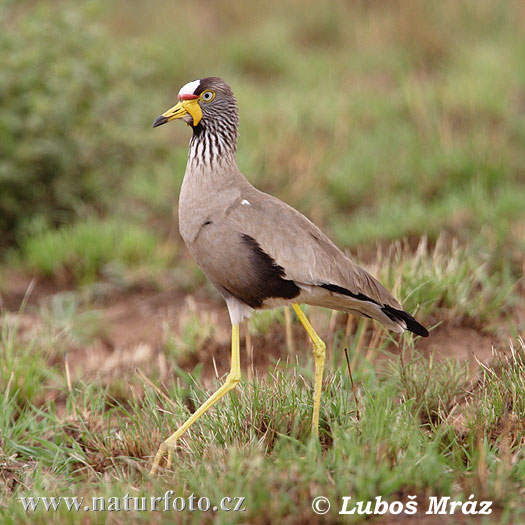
{"x":203,"y":206}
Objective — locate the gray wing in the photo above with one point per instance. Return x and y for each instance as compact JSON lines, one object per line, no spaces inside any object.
{"x":261,"y":249}
{"x":305,"y":253}
{"x":310,"y":260}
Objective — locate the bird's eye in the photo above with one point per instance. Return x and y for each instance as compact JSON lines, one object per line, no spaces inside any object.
{"x":208,"y":95}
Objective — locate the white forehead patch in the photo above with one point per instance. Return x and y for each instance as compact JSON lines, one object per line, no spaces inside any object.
{"x":189,"y":88}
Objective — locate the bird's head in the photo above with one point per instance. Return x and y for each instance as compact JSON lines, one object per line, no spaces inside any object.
{"x":202,"y":102}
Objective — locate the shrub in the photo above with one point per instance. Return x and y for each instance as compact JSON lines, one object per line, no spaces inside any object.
{"x":67,"y":93}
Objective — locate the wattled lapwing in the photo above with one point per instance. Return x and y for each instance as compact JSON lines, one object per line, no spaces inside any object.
{"x":256,"y":250}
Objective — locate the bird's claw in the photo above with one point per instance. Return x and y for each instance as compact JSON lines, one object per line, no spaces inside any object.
{"x":166,"y":451}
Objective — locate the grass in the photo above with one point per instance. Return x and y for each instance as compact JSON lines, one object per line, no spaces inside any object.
{"x":196,"y":331}
{"x":80,"y":252}
{"x":454,"y":279}
{"x":397,"y":127}
{"x":256,"y":442}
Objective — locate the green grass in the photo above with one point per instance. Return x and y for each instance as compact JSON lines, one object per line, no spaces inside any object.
{"x":457,"y":281}
{"x":83,"y":250}
{"x":256,"y":443}
{"x":397,"y":127}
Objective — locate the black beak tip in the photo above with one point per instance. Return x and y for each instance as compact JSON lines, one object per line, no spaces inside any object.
{"x":159,"y":121}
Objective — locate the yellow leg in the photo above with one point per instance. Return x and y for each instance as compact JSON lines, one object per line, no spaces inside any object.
{"x":319,"y":356}
{"x":167,"y":448}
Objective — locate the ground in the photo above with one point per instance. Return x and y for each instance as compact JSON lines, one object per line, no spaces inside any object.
{"x":397,"y":127}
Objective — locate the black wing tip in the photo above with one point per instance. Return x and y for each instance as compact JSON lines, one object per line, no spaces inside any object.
{"x":412,"y":324}
{"x":417,"y":328}
{"x":393,"y":313}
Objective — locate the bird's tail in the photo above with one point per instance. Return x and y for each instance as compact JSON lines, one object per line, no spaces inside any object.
{"x":404,"y":319}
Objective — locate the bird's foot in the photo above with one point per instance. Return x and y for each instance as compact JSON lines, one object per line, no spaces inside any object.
{"x":166,"y":451}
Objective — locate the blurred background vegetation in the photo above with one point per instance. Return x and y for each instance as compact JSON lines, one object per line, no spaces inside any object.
{"x":379,"y":120}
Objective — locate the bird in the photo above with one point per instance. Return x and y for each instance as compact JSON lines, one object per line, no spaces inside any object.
{"x":258,"y":251}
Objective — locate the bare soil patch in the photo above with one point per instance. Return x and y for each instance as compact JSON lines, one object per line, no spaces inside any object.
{"x":135,"y":323}
{"x":459,"y":342}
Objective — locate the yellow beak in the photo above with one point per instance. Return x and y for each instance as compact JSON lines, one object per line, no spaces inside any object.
{"x":183,"y":108}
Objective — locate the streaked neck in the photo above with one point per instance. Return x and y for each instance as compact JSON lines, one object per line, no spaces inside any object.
{"x":213,"y":146}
